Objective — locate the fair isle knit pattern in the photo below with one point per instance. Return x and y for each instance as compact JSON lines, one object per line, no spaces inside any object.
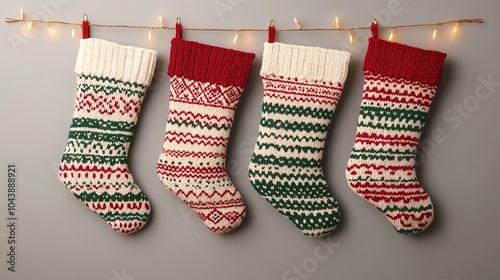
{"x":302,"y":86}
{"x":400,"y":83}
{"x":205,"y":87}
{"x":111,"y":83}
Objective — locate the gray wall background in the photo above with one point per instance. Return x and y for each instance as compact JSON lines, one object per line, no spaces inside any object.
{"x":58,"y":238}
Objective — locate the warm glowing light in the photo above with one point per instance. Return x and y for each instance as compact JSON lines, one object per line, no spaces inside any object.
{"x":337,"y":22}
{"x":350,"y":37}
{"x":50,"y":29}
{"x":455,"y":28}
{"x":161,"y":21}
{"x":22,"y":13}
{"x":297,"y":24}
{"x":30,"y":25}
{"x":392,"y":34}
{"x":235,"y":37}
{"x":73,"y":32}
{"x":434,"y":33}
{"x":150,"y":34}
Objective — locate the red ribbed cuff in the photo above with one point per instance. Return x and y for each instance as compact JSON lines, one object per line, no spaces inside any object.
{"x":207,"y":63}
{"x":402,"y":61}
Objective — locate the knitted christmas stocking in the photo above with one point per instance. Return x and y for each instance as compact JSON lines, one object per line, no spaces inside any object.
{"x":302,"y":86}
{"x":112,"y":80}
{"x":400,"y":82}
{"x":205,"y":87}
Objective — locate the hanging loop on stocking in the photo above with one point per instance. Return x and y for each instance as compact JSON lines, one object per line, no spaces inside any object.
{"x":374,"y":28}
{"x":272,"y":32}
{"x":178,"y":28}
{"x":85,"y":27}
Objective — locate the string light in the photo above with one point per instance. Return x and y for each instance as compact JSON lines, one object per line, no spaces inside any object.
{"x":30,"y":24}
{"x":455,"y":22}
{"x":73,"y":32}
{"x":50,"y":29}
{"x":392,"y":34}
{"x":297,"y":24}
{"x":434,"y":33}
{"x":150,"y":34}
{"x":236,"y":37}
{"x":350,"y":37}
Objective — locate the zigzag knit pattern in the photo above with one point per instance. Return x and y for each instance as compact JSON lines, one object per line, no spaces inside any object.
{"x":205,"y":87}
{"x":302,"y":86}
{"x":108,"y":102}
{"x":400,"y":83}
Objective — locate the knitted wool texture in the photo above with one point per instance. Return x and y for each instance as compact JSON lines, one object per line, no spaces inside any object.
{"x":205,"y":87}
{"x":111,"y":84}
{"x":399,"y":85}
{"x":302,"y":86}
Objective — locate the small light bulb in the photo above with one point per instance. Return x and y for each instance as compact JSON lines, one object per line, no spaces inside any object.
{"x":22,"y":14}
{"x":337,"y":22}
{"x":50,"y":29}
{"x":30,"y":25}
{"x":73,"y":32}
{"x":161,"y":21}
{"x":297,"y":24}
{"x":434,"y":33}
{"x":392,"y":34}
{"x":150,"y":33}
{"x":455,"y":28}
{"x":350,"y":37}
{"x":235,"y":37}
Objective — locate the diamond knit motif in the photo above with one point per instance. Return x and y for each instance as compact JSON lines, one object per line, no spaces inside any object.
{"x":196,"y":92}
{"x":192,"y":163}
{"x":202,"y":107}
{"x":108,"y":101}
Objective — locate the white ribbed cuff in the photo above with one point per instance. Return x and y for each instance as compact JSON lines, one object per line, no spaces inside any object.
{"x":106,"y":59}
{"x":305,"y":63}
